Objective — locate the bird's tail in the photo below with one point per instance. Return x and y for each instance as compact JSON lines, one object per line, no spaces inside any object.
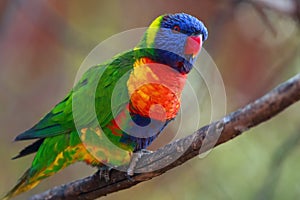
{"x":53,"y":155}
{"x":25,"y":183}
{"x":33,"y":177}
{"x":57,"y":152}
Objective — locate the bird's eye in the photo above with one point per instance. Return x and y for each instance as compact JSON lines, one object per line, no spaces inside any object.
{"x":176,"y":29}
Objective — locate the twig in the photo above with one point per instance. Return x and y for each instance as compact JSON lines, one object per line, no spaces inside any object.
{"x":230,"y":126}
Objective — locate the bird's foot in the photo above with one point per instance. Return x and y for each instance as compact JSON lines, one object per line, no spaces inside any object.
{"x":104,"y":172}
{"x":134,"y":160}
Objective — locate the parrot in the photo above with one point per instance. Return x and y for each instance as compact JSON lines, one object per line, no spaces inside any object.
{"x":118,"y":107}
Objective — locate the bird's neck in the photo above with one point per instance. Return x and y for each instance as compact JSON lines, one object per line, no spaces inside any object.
{"x":171,"y":59}
{"x":155,"y":89}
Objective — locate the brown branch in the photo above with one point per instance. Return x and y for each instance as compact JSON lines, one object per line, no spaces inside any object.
{"x":202,"y":140}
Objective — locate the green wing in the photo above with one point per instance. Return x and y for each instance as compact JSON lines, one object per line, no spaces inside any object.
{"x":89,"y":100}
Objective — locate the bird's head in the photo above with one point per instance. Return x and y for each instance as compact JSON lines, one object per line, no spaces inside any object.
{"x":175,"y":40}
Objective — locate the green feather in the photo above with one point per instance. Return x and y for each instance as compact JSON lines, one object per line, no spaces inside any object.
{"x":96,"y":85}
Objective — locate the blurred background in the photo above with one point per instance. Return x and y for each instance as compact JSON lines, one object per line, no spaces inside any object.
{"x":255,"y":45}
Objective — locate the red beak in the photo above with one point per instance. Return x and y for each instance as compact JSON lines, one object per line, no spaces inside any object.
{"x":193,"y":45}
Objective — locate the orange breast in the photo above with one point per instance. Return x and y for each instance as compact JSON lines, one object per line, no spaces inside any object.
{"x":155,"y":89}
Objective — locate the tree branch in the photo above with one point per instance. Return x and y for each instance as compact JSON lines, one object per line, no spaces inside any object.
{"x":202,"y":140}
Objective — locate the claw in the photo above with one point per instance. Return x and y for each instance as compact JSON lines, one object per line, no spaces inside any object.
{"x":146,"y":151}
{"x":129,"y":177}
{"x":104,"y":171}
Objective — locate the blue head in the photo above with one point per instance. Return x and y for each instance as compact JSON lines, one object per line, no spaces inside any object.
{"x":176,"y":40}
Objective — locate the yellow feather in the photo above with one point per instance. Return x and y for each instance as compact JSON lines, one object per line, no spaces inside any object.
{"x":153,"y":29}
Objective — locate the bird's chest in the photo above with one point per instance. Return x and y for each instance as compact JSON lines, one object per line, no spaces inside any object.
{"x":155,"y":89}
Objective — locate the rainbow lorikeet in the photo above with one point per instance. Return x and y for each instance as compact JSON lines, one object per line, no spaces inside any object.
{"x":133,"y":97}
